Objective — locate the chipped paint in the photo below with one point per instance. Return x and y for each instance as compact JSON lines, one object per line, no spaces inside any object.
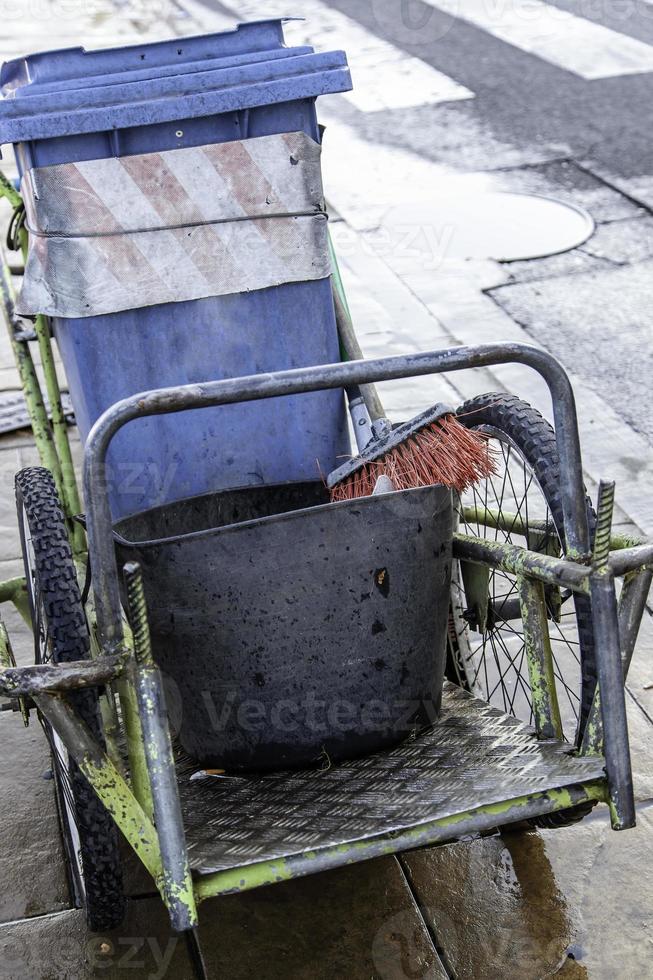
{"x":539,"y":657}
{"x":129,"y":816}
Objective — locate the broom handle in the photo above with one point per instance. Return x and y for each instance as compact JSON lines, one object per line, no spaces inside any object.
{"x":349,"y":341}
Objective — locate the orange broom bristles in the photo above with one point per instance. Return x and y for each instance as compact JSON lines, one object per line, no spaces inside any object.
{"x":443,"y":451}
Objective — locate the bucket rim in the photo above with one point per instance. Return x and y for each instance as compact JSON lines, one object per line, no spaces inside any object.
{"x":440,"y":489}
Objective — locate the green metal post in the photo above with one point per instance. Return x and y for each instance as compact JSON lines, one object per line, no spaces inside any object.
{"x":7,"y":659}
{"x":69,"y":489}
{"x":139,"y":777}
{"x":337,"y":279}
{"x":8,"y":190}
{"x":46,"y":434}
{"x":111,"y":725}
{"x":40,"y":423}
{"x":107,"y":782}
{"x":539,"y":656}
{"x":177,"y":882}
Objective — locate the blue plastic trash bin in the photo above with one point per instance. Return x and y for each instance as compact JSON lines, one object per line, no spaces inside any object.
{"x":72,"y":105}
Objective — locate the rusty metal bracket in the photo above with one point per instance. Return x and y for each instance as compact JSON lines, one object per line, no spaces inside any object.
{"x":37,"y":679}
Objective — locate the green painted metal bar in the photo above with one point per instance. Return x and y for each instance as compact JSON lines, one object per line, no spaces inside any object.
{"x":51,"y":437}
{"x":70,"y":497}
{"x":38,"y":415}
{"x":177,"y":882}
{"x":631,"y":558}
{"x":15,"y":590}
{"x":70,"y":492}
{"x":513,"y":523}
{"x":476,"y":585}
{"x":483,"y":818}
{"x":111,"y":723}
{"x":630,"y":608}
{"x":131,"y":719}
{"x":337,"y":280}
{"x":8,"y":190}
{"x":592,"y":743}
{"x":539,"y":657}
{"x":518,"y":561}
{"x":125,"y":687}
{"x":621,"y":542}
{"x":57,"y":429}
{"x":510,"y":523}
{"x":50,"y":678}
{"x":106,"y":781}
{"x":7,"y":662}
{"x":632,"y":603}
{"x":612,"y":701}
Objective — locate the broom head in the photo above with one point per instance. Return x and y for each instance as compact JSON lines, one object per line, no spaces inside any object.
{"x":433,"y":448}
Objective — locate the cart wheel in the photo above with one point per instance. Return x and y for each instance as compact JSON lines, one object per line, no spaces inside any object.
{"x":61,"y":634}
{"x":492,"y":663}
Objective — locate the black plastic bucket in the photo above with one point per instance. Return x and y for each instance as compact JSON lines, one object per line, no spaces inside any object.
{"x":291,"y":630}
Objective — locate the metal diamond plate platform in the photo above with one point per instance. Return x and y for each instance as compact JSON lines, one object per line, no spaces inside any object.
{"x":475,"y":755}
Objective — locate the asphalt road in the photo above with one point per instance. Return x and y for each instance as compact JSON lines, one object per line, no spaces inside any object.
{"x":522,"y":99}
{"x":528,"y":106}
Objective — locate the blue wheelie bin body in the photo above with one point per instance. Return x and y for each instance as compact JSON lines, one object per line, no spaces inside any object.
{"x":72,"y":105}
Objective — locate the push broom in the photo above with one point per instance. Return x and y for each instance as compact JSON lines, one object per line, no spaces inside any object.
{"x":431,"y":448}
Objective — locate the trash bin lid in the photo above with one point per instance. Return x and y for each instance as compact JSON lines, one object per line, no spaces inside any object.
{"x":73,"y":91}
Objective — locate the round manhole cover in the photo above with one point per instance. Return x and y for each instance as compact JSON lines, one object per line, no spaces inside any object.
{"x":488,"y":225}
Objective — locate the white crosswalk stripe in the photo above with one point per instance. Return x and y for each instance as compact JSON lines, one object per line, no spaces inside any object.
{"x":48,"y":26}
{"x":384,"y":76}
{"x":570,"y":42}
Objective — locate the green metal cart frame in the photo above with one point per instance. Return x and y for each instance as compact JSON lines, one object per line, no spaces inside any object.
{"x":477,"y":769}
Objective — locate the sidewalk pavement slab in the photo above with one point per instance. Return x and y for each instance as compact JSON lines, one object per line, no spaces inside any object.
{"x":608,"y":313}
{"x":573,"y":902}
{"x":356,"y":923}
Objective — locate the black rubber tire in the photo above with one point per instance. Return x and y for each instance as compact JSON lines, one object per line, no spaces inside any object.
{"x":535,"y":439}
{"x":51,"y":576}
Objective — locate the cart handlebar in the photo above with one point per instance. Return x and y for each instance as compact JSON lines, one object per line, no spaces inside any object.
{"x":255,"y":387}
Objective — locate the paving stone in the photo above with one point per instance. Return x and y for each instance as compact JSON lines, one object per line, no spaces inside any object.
{"x":569,"y":182}
{"x":355,"y":923}
{"x":638,"y":188}
{"x":31,"y":855}
{"x":600,"y":325}
{"x":604,"y":877}
{"x":624,"y":242}
{"x":501,"y":913}
{"x":640,"y":674}
{"x":565,"y":264}
{"x":528,"y":904}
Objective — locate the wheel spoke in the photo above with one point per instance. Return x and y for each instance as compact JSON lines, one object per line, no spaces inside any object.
{"x":493,"y":664}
